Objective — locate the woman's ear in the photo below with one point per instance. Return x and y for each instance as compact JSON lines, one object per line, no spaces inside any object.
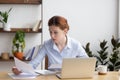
{"x":65,"y":30}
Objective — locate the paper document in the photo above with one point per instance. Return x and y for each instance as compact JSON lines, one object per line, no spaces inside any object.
{"x":45,"y":72}
{"x":24,"y":67}
{"x":55,"y":66}
{"x":22,"y":76}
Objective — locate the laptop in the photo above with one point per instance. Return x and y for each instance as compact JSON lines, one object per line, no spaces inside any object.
{"x":77,"y":68}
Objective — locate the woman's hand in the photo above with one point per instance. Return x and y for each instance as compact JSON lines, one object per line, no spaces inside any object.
{"x":16,"y":71}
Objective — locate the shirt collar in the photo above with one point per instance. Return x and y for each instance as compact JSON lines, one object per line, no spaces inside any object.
{"x":67,"y":46}
{"x":68,"y":42}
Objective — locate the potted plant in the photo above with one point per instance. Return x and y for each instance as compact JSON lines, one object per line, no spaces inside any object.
{"x":114,"y":59}
{"x":87,"y":50}
{"x":4,"y":19}
{"x":18,"y":44}
{"x":102,"y":56}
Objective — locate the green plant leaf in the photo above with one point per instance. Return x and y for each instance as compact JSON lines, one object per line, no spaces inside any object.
{"x":5,"y":15}
{"x":19,"y":40}
{"x":117,"y":63}
{"x":111,"y":67}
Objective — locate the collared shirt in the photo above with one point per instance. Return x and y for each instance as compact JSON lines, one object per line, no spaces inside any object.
{"x":72,"y":49}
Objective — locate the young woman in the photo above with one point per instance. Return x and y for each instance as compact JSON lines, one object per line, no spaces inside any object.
{"x":59,"y":46}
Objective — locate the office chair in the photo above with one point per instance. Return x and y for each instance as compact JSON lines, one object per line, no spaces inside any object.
{"x":46,"y":62}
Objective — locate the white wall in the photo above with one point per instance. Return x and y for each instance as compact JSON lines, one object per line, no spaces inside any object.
{"x":90,"y":20}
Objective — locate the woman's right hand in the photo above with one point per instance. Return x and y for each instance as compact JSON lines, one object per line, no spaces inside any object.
{"x":16,"y":71}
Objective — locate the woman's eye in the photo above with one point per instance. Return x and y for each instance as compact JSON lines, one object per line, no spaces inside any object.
{"x":55,"y":32}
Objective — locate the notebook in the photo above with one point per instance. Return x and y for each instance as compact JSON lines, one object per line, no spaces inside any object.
{"x":77,"y":68}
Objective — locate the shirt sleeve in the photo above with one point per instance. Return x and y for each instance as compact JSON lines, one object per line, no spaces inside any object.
{"x":81,"y":52}
{"x":39,"y":57}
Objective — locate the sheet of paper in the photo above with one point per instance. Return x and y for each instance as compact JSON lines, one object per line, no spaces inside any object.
{"x":55,"y":66}
{"x":24,"y":67}
{"x":22,"y":76}
{"x":45,"y":72}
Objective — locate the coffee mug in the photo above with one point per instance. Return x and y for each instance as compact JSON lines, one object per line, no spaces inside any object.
{"x":102,"y":69}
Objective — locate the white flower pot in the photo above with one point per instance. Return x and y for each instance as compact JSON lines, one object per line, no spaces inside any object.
{"x":6,"y":27}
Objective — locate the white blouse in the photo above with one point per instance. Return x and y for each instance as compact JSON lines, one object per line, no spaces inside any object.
{"x":73,"y":49}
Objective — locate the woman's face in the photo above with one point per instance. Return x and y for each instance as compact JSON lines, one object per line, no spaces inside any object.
{"x":57,"y":34}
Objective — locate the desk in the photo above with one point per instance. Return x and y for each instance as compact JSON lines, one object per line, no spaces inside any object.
{"x":109,"y":76}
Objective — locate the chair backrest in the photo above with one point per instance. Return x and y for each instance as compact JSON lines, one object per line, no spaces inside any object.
{"x":46,"y":62}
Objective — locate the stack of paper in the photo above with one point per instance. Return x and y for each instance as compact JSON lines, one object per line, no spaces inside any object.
{"x":45,"y":72}
{"x":22,"y":76}
{"x":55,"y":67}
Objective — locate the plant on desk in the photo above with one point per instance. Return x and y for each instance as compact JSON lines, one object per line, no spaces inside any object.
{"x":18,"y":44}
{"x":102,"y":56}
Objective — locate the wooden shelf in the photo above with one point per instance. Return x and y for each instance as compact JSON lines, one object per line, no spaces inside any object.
{"x":12,"y":59}
{"x":26,"y":30}
{"x":20,"y":1}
